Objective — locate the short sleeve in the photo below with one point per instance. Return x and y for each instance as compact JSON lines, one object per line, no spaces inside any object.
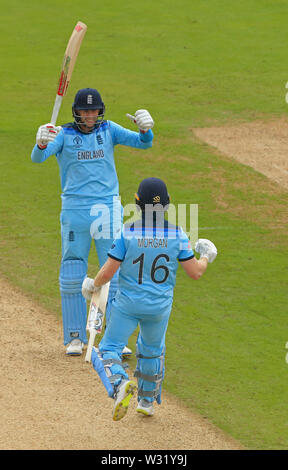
{"x":185,"y":249}
{"x":118,"y":249}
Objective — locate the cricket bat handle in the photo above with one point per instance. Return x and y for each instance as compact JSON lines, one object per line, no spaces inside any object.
{"x":56,"y":109}
{"x":132,"y":118}
{"x":92,"y":335}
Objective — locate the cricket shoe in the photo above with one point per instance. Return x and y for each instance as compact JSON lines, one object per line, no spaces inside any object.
{"x":126,"y":352}
{"x":75,"y":348}
{"x":124,"y":393}
{"x":145,"y":407}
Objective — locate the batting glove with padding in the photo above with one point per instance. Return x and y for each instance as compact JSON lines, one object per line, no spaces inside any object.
{"x":143,"y":120}
{"x":88,"y":288}
{"x":206,"y":249}
{"x":46,"y":134}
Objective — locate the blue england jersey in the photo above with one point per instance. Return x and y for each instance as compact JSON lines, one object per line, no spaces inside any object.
{"x":149,"y":257}
{"x":86,"y":161}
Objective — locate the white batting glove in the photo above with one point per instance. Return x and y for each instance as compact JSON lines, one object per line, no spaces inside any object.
{"x":46,"y":134}
{"x":206,"y":248}
{"x":88,"y":288}
{"x":143,"y":120}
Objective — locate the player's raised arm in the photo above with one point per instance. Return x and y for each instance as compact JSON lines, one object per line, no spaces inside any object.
{"x":46,"y":134}
{"x":45,"y":143}
{"x":142,"y":119}
{"x":195,"y":268}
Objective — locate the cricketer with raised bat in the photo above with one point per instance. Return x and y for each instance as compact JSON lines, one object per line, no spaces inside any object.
{"x":91,"y":207}
{"x":148,"y":254}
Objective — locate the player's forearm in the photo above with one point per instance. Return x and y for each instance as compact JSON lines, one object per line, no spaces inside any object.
{"x":54,"y":145}
{"x":139,"y":140}
{"x":195,"y":268}
{"x":202,"y":266}
{"x":146,"y":137}
{"x":123,"y":136}
{"x":106,"y":272}
{"x":199,"y":268}
{"x":38,"y":155}
{"x":102,"y":278}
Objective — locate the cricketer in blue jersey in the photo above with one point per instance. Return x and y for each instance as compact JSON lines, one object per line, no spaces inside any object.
{"x":148,"y":253}
{"x":91,"y":207}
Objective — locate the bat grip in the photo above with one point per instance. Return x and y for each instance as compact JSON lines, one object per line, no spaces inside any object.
{"x":56,"y":108}
{"x":132,"y":118}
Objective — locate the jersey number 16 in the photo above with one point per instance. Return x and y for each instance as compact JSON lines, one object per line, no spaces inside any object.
{"x":154,"y":268}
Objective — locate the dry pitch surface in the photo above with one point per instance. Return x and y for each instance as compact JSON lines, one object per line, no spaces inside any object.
{"x":261,"y":145}
{"x":51,"y":402}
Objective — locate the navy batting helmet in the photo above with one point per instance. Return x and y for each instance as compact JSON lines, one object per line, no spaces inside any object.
{"x":88,"y":98}
{"x":152,"y":191}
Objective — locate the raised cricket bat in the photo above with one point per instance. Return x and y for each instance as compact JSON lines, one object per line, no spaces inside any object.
{"x":95,"y":318}
{"x":68,"y":63}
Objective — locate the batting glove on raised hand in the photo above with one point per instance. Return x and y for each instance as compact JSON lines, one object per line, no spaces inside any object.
{"x":46,"y":134}
{"x":206,"y":249}
{"x":88,"y":288}
{"x":143,"y":120}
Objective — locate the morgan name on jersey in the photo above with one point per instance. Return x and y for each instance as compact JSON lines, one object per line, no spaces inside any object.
{"x":152,"y":242}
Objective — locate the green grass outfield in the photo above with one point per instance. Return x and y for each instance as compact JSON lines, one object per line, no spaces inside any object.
{"x":191,"y":63}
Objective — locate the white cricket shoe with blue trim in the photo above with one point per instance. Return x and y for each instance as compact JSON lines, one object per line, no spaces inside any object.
{"x":75,"y":348}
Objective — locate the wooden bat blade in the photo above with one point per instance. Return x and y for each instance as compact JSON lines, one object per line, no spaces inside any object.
{"x":93,"y":323}
{"x":95,"y":318}
{"x":104,"y":297}
{"x":68,"y":63}
{"x":90,"y":345}
{"x":70,"y":56}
